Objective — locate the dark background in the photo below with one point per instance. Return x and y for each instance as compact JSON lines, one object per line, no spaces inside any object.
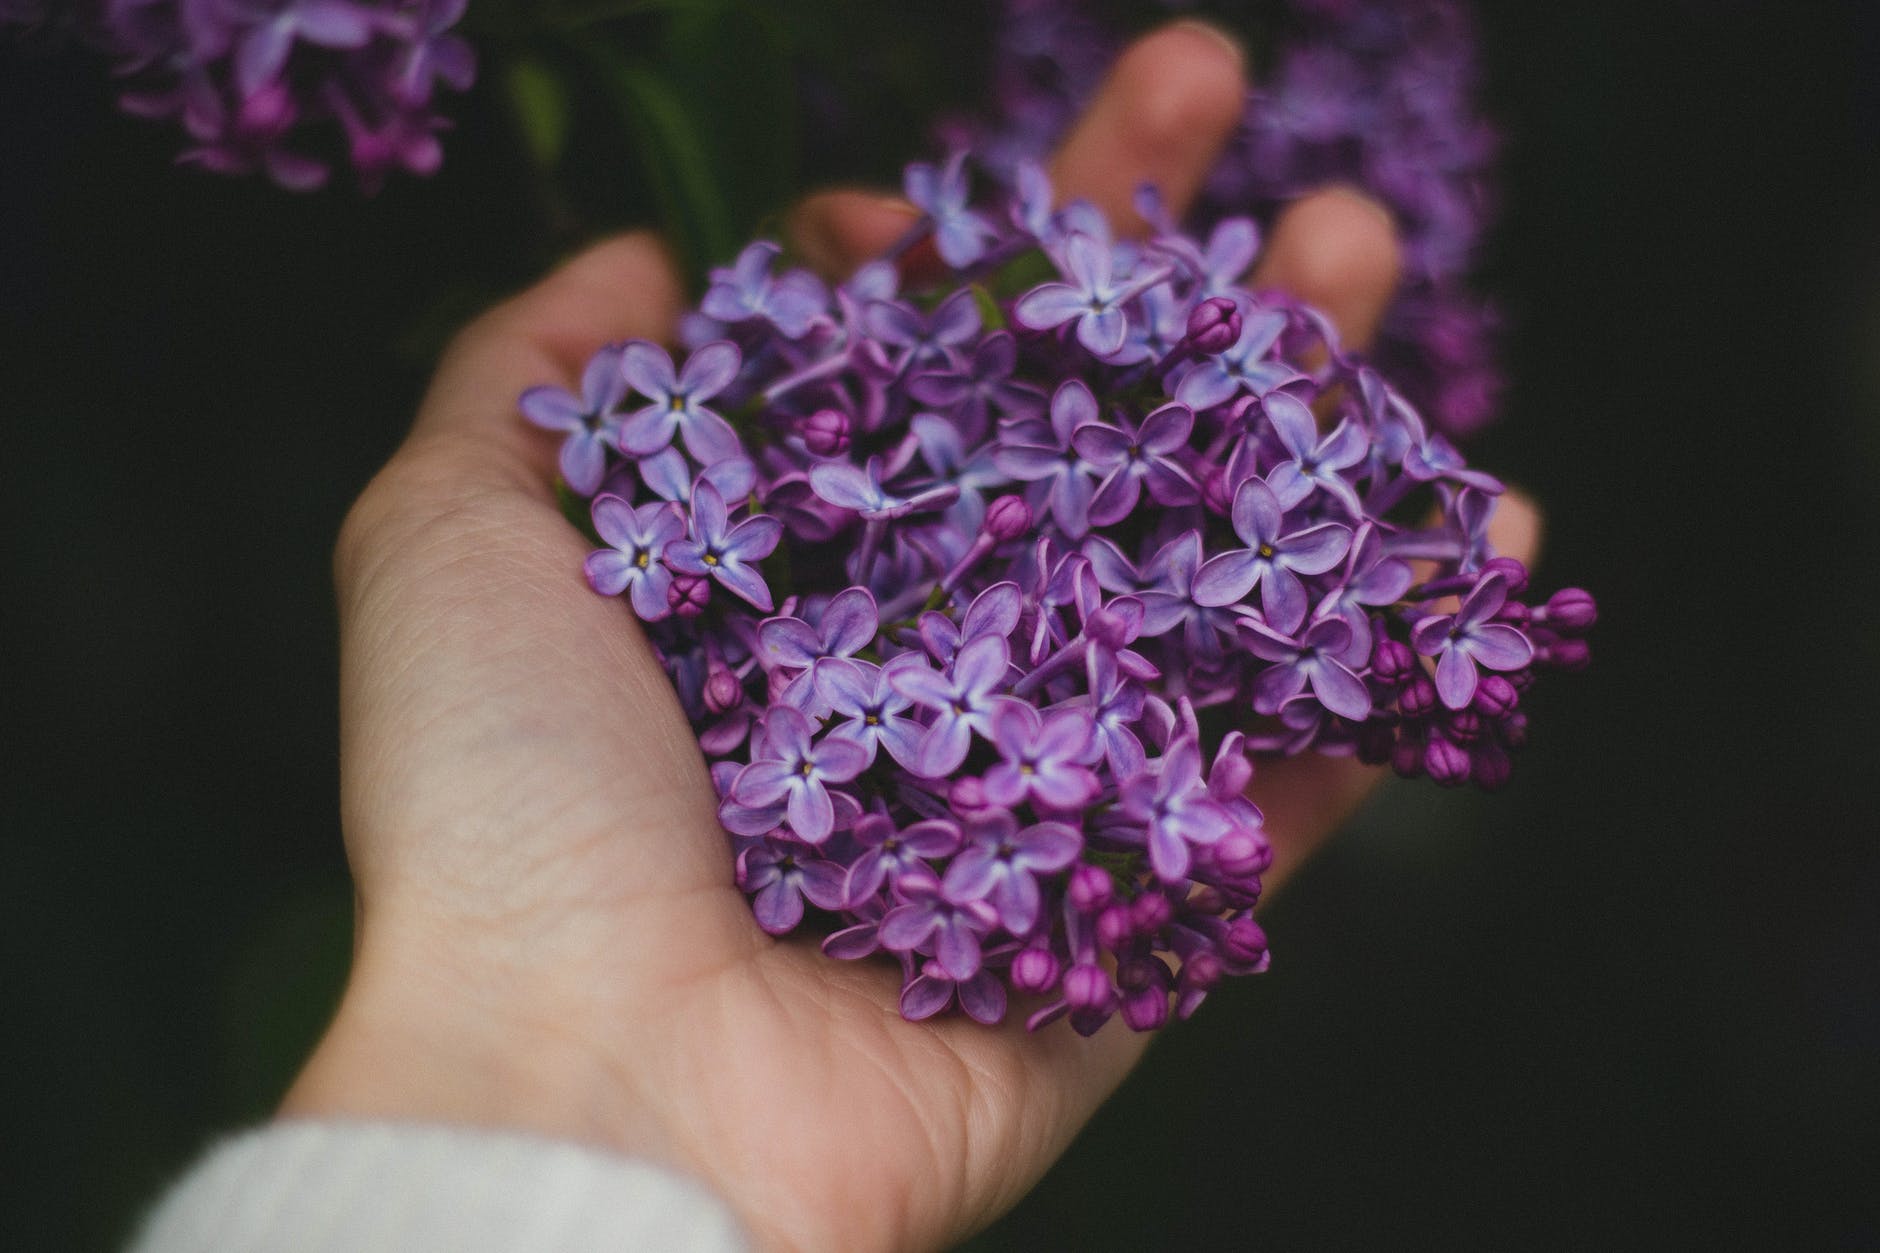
{"x":1634,"y":1000}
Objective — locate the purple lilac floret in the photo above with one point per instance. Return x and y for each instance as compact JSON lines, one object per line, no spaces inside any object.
{"x":276,"y":86}
{"x":982,"y":620}
{"x":1375,"y":94}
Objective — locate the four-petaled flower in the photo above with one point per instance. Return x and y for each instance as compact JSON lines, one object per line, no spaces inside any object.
{"x":635,"y":562}
{"x":798,"y":771}
{"x":1041,"y":757}
{"x":1046,"y":457}
{"x":791,"y":302}
{"x":959,"y":234}
{"x":1093,"y":298}
{"x":1135,"y":457}
{"x":1469,"y":638}
{"x":1001,"y":864}
{"x":962,"y":699}
{"x":1310,"y":661}
{"x":864,"y":695}
{"x":1273,"y":558}
{"x":678,"y":400}
{"x":1174,"y":809}
{"x":724,"y":552}
{"x":781,"y":874}
{"x":1249,"y":365}
{"x":933,"y":920}
{"x":591,"y":420}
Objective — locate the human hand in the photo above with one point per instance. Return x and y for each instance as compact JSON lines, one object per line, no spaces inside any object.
{"x":549,"y":935}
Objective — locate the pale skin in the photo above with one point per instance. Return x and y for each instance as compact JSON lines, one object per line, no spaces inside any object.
{"x":548,"y":934}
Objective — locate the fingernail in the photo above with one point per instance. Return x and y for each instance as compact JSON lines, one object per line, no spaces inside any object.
{"x":1215,"y":33}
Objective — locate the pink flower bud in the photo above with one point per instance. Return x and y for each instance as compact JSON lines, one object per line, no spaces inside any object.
{"x":1114,"y":927}
{"x":688,"y":595}
{"x":825,"y":432}
{"x":1149,"y":913}
{"x":1495,"y":696}
{"x":722,"y":690}
{"x":1570,"y":611}
{"x":1090,"y":889}
{"x":1419,"y":697}
{"x":1087,"y":987}
{"x":1244,"y":943}
{"x":1008,"y":518}
{"x":1446,"y":762}
{"x":1570,"y":655}
{"x":1035,"y":970}
{"x":1243,"y":852}
{"x":1214,"y":325}
{"x":1510,"y":569}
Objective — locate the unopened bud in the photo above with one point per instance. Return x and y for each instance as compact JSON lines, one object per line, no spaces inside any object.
{"x":967,"y":795}
{"x":1087,"y":987}
{"x":1571,"y":611}
{"x":722,"y":690}
{"x":1446,"y":762}
{"x":1090,"y":889}
{"x":1035,"y":970}
{"x":1509,"y":569}
{"x":1150,"y":912}
{"x":1419,"y":697}
{"x":1490,"y":766}
{"x":1567,"y":655}
{"x":825,"y":432}
{"x":1114,"y":927}
{"x":1216,"y":493}
{"x":1214,"y":326}
{"x":1008,"y":518}
{"x":1242,"y":852}
{"x":1495,"y":696}
{"x":1392,"y":662}
{"x":688,"y":595}
{"x":1244,"y":943}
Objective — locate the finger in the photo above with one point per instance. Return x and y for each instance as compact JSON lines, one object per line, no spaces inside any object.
{"x":839,"y":231}
{"x":1306,"y":798}
{"x":1336,"y":249}
{"x":623,"y":288}
{"x":1162,"y":116}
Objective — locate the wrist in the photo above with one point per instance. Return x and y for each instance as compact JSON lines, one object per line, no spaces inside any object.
{"x":428,"y":1032}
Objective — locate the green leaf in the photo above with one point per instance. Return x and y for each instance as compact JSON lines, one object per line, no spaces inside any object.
{"x":540,"y":101}
{"x":579,"y":511}
{"x":731,"y":65}
{"x":672,"y":153}
{"x":990,"y":314}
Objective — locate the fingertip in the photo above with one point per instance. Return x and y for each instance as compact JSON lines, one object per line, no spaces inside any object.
{"x":624,"y":287}
{"x":1516,"y":528}
{"x":1336,"y":249}
{"x":1162,"y":116}
{"x":837,"y":231}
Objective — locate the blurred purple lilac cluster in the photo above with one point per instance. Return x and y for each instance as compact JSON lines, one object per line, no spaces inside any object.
{"x":981,"y":597}
{"x":252,"y":82}
{"x":1376,"y":94}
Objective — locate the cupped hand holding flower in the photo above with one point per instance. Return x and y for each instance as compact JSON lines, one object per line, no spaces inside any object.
{"x":550,"y":935}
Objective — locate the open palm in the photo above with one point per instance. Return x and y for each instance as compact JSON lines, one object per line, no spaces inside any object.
{"x":549,"y":935}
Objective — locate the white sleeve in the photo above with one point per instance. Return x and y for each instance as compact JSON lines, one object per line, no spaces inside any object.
{"x":364,"y":1187}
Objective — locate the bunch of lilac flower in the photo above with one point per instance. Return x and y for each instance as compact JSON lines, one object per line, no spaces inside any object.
{"x":981,"y":597}
{"x":252,"y":82}
{"x":1377,"y":94}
